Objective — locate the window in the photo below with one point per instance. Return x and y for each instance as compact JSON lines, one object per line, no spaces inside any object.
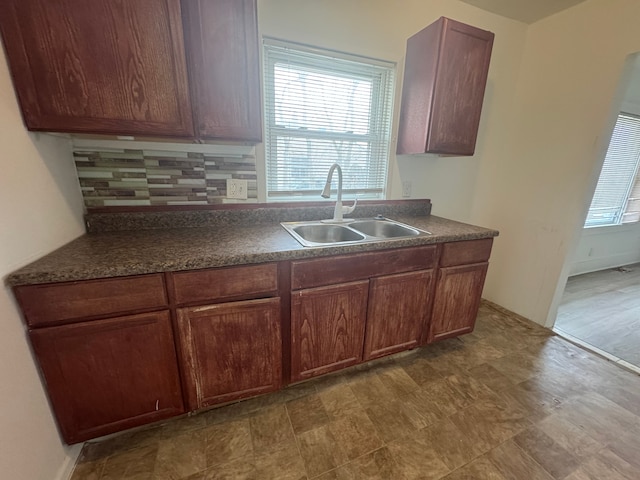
{"x":617,"y":196}
{"x":321,"y":108}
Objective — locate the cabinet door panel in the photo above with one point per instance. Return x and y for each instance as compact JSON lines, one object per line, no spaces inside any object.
{"x":108,"y":375}
{"x":327,"y":328}
{"x":459,"y":91}
{"x":457,"y":300}
{"x":100,"y":66}
{"x":445,"y":75}
{"x":399,"y":309}
{"x":230,"y":350}
{"x":224,"y":68}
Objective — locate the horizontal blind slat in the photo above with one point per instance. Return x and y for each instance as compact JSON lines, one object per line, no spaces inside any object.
{"x":619,"y":172}
{"x":320,"y":110}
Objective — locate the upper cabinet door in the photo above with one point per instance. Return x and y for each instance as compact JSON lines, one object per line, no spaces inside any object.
{"x":224,"y":69}
{"x":446,"y":68}
{"x":100,"y":66}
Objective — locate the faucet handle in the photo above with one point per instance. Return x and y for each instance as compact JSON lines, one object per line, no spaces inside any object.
{"x":348,"y":210}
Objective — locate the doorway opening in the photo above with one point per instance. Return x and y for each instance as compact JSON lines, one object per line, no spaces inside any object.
{"x":600,"y":305}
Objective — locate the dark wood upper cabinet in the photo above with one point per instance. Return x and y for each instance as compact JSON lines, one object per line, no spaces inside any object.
{"x":106,"y":67}
{"x":446,"y":68}
{"x":138,"y":67}
{"x":224,"y":70}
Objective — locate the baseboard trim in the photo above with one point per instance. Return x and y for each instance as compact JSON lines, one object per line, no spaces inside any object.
{"x":506,"y":311}
{"x":66,"y":469}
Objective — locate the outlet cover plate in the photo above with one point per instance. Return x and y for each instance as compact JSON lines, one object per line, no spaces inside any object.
{"x":406,"y":188}
{"x":236,"y":188}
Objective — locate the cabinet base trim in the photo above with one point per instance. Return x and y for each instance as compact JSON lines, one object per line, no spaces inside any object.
{"x":314,"y":372}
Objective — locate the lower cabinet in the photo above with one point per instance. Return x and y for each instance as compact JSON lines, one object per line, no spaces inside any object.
{"x":230,"y":350}
{"x":121,"y":352}
{"x":399,"y":310}
{"x":352,"y":308}
{"x":463,"y":268}
{"x":457,"y":300}
{"x":327,"y":328}
{"x":104,"y":376}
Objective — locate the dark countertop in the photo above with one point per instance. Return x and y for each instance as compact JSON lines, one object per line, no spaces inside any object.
{"x":122,"y":253}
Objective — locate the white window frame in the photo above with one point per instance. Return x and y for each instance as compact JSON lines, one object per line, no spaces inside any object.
{"x":620,"y":173}
{"x":365,"y":182}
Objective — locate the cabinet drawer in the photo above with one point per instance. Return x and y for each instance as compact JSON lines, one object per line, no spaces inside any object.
{"x":224,"y":283}
{"x":56,"y":303}
{"x":463,"y":253}
{"x":347,"y":268}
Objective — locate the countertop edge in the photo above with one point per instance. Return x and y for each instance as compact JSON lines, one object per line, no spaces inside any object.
{"x":34,"y":274}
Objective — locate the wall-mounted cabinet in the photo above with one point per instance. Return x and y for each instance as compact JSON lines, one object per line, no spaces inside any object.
{"x":445,"y":76}
{"x":224,"y":69}
{"x":121,"y":68}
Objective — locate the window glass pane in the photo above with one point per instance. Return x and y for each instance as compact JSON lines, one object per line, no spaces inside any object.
{"x":618,"y":174}
{"x":322,"y":109}
{"x":320,"y":101}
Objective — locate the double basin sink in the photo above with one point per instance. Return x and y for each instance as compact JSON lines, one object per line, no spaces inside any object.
{"x":325,"y":233}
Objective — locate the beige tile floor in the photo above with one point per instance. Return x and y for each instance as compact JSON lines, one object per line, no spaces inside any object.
{"x":509,"y":401}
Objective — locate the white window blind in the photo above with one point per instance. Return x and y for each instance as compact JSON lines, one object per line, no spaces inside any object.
{"x":613,"y":202}
{"x":321,"y":108}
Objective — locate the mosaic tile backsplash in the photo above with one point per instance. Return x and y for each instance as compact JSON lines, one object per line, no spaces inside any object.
{"x":152,"y":177}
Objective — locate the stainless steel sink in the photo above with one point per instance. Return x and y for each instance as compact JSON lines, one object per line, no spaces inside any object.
{"x":384,"y":229}
{"x":319,"y":233}
{"x":327,"y":233}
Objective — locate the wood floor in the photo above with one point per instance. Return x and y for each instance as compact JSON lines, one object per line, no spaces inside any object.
{"x":603,"y":309}
{"x":510,"y":401}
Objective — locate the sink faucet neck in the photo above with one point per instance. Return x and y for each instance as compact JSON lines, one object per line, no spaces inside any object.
{"x":326,"y":193}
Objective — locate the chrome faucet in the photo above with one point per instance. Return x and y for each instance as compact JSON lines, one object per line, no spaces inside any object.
{"x":339,"y":210}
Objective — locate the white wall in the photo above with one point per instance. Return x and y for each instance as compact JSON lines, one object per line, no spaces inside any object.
{"x":606,"y":247}
{"x":40,"y":209}
{"x":537,"y":191}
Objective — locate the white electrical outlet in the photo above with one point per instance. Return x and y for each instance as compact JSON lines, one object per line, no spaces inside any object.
{"x":236,"y":188}
{"x":406,"y":189}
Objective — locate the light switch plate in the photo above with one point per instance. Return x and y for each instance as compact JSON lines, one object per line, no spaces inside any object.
{"x":236,"y":188}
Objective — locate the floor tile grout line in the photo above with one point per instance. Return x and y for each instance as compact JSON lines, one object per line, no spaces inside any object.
{"x":524,"y":452}
{"x":295,"y":438}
